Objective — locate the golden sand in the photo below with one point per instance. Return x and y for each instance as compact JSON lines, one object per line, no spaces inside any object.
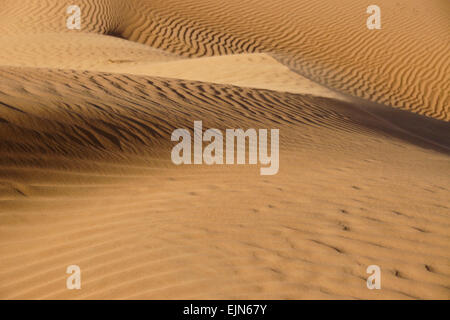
{"x":86,"y":176}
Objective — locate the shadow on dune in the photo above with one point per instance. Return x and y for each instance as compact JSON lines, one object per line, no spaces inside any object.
{"x":100,"y":114}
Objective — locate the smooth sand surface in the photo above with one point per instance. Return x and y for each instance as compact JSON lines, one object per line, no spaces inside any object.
{"x":86,"y":176}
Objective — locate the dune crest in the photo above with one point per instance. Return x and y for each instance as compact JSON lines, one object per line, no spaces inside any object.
{"x":405,"y":64}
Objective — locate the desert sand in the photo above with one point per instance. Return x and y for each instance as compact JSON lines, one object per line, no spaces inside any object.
{"x":86,"y":178}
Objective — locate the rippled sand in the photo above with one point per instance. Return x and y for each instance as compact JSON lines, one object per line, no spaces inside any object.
{"x":86,"y":176}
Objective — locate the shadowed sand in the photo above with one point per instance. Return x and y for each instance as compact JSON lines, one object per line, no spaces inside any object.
{"x":86,"y":176}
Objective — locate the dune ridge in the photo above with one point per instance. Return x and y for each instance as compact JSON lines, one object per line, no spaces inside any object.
{"x":103,"y":152}
{"x":388,"y":66}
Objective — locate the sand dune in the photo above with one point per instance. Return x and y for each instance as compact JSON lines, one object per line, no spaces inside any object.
{"x":403,"y":65}
{"x":86,"y":176}
{"x":78,"y":179}
{"x":96,"y":52}
{"x":259,"y":71}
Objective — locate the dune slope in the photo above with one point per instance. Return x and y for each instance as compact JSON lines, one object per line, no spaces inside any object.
{"x":86,"y":179}
{"x":405,"y":64}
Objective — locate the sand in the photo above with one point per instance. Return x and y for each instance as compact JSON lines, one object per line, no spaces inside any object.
{"x":86,"y":176}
